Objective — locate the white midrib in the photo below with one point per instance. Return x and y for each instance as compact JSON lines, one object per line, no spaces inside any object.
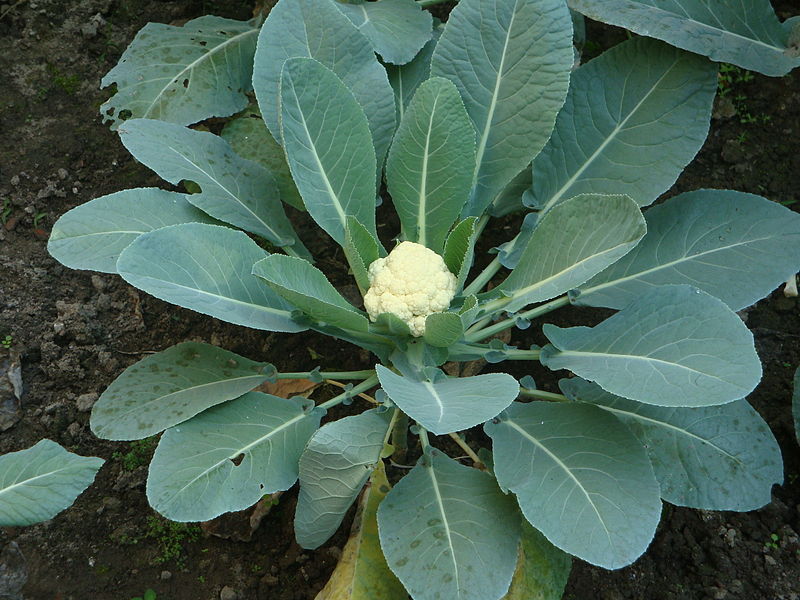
{"x":188,"y":68}
{"x":445,"y":523}
{"x":439,"y":404}
{"x":422,"y":213}
{"x":27,"y":482}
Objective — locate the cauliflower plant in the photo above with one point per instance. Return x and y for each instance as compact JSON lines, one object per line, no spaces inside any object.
{"x":412,"y":283}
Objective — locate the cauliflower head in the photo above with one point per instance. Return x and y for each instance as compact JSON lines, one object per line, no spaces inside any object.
{"x":412,"y":282}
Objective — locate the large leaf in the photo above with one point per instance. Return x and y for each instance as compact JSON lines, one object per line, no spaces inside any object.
{"x":307,"y":288}
{"x":327,"y":143}
{"x":575,"y":240}
{"x":234,"y":190}
{"x":92,"y":235}
{"x":633,"y":119}
{"x":208,"y":269}
{"x":334,"y":467}
{"x":249,"y":137}
{"x":542,"y":569}
{"x":317,"y":29}
{"x":170,"y":387}
{"x":397,"y":29}
{"x":735,"y":246}
{"x":747,"y":34}
{"x":38,"y":483}
{"x":675,"y":346}
{"x":405,"y":79}
{"x":447,"y":531}
{"x":713,"y":458}
{"x":362,"y":572}
{"x":183,"y":74}
{"x":581,"y":478}
{"x":450,"y":403}
{"x":228,"y":457}
{"x":428,"y":169}
{"x":510,"y":59}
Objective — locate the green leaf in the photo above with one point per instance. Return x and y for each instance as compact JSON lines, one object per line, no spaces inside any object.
{"x":443,"y":329}
{"x":713,"y":458}
{"x":509,"y":199}
{"x":183,"y":74}
{"x":469,"y":311}
{"x":38,"y":483}
{"x":542,"y":569}
{"x":405,"y":79}
{"x":450,"y":403}
{"x":327,"y":143}
{"x":447,"y":531}
{"x":573,"y":241}
{"x":458,"y":249}
{"x":392,"y":324}
{"x":735,"y":246}
{"x":427,"y":172}
{"x":228,"y":457}
{"x":397,"y":29}
{"x":675,"y":346}
{"x":170,"y":387}
{"x":92,"y":235}
{"x":249,"y":137}
{"x":208,"y":269}
{"x":361,"y":249}
{"x":234,"y":190}
{"x":362,"y":572}
{"x":335,"y":465}
{"x":511,"y":60}
{"x":747,"y":34}
{"x":581,"y":478}
{"x":317,"y":29}
{"x":633,"y":119}
{"x":307,"y":288}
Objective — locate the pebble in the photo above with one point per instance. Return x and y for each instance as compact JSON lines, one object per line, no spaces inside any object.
{"x":228,"y":593}
{"x":165,"y":575}
{"x":85,"y":402}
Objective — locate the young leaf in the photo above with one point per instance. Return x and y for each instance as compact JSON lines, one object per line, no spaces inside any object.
{"x":633,"y":119}
{"x":208,"y":269}
{"x":234,"y":189}
{"x":447,"y":531}
{"x":510,"y":59}
{"x":458,"y":249}
{"x":361,"y":249}
{"x":451,"y":403}
{"x":39,"y":482}
{"x":747,"y":34}
{"x":307,"y":288}
{"x":227,"y":457}
{"x":427,"y":172}
{"x":735,"y":246}
{"x":405,"y":79}
{"x":249,"y":137}
{"x":397,"y":29}
{"x":713,"y":458}
{"x":675,"y":346}
{"x":327,"y":142}
{"x":92,"y":235}
{"x":362,"y":572}
{"x":443,"y":329}
{"x":581,"y":478}
{"x":183,"y":74}
{"x":317,"y":29}
{"x":170,"y":387}
{"x":542,"y":569}
{"x":334,"y":467}
{"x":576,"y":239}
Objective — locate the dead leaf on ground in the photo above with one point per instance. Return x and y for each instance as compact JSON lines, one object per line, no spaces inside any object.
{"x":286,"y":388}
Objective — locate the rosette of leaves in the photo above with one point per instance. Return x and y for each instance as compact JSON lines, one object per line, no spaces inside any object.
{"x":481,"y":117}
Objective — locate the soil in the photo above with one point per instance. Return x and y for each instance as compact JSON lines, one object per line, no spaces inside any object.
{"x":76,"y":331}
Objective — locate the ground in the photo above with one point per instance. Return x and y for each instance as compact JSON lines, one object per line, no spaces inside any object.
{"x":75,"y":331}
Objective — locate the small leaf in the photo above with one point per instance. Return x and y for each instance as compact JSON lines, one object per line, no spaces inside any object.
{"x":208,"y":269}
{"x":38,"y":483}
{"x":397,"y":29}
{"x":92,"y":236}
{"x":183,"y":74}
{"x":452,"y":403}
{"x":307,"y":288}
{"x":361,"y":249}
{"x":447,"y":531}
{"x":170,"y":387}
{"x":581,"y":478}
{"x":229,"y":456}
{"x":676,"y":346}
{"x":392,"y":324}
{"x":458,"y":250}
{"x":542,"y":569}
{"x":405,"y":79}
{"x":443,"y":329}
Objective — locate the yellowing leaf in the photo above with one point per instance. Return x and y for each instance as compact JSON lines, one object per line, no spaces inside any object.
{"x":542,"y":569}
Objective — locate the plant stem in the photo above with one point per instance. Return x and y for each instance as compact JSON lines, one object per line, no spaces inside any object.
{"x":328,"y":374}
{"x":339,"y":384}
{"x":463,"y":445}
{"x":542,"y":309}
{"x":517,"y":354}
{"x":392,"y":423}
{"x":483,"y":277}
{"x":426,"y":3}
{"x":400,"y":438}
{"x":423,"y":437}
{"x":291,"y":251}
{"x":542,"y":395}
{"x":361,"y":387}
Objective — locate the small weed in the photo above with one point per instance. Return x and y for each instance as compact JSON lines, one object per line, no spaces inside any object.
{"x":37,"y":218}
{"x":7,"y":342}
{"x":170,"y":537}
{"x":772,"y":544}
{"x":742,"y":138}
{"x":6,"y":211}
{"x":201,"y":578}
{"x":149,"y":594}
{"x":68,"y":83}
{"x":256,"y":568}
{"x":137,"y":455}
